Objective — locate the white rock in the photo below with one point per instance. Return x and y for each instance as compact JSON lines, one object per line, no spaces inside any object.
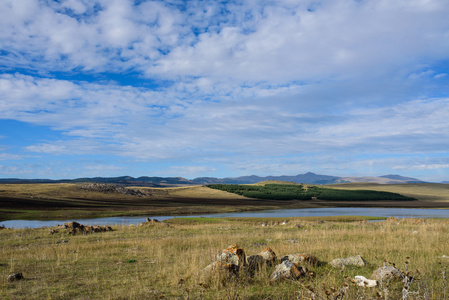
{"x":362,"y":281}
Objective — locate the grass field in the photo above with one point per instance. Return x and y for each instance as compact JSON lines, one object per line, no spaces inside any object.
{"x":422,"y":191}
{"x":66,"y":201}
{"x":150,"y":262}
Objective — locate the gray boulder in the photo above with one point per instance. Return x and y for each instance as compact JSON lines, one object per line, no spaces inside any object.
{"x":301,"y":258}
{"x":15,"y":277}
{"x":387,"y":273}
{"x":265,"y":258}
{"x":288,"y":270}
{"x":357,"y":261}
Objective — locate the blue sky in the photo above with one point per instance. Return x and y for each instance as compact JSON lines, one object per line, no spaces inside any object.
{"x":224,"y":88}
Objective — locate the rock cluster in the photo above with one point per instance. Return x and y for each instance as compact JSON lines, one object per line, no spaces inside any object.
{"x":75,"y":227}
{"x":233,"y":261}
{"x":110,"y":188}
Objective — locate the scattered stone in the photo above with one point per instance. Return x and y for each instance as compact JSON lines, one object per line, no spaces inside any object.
{"x":288,"y":270}
{"x":15,"y":276}
{"x":386,"y":273}
{"x":110,"y":188}
{"x":291,"y":241}
{"x":348,"y":261}
{"x":301,"y":258}
{"x":75,"y":228}
{"x":362,"y":281}
{"x":258,"y":244}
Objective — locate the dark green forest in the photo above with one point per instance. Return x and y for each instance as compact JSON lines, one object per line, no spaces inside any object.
{"x":299,"y":192}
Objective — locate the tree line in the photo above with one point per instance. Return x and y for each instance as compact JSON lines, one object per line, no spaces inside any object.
{"x":298,"y":192}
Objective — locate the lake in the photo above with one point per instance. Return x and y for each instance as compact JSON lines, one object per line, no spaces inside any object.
{"x":282,"y":213}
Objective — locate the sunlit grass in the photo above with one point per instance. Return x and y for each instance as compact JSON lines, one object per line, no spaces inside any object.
{"x":147,"y":262}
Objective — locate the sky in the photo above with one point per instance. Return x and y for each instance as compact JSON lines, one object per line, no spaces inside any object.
{"x":224,"y":88}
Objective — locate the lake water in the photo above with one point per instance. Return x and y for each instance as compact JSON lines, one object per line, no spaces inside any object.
{"x":283,"y":213}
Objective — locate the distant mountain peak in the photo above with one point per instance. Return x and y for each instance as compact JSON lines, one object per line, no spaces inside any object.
{"x":308,"y":178}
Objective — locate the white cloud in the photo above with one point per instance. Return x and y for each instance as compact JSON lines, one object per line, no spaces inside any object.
{"x":238,"y":80}
{"x":8,"y":156}
{"x":157,"y":125}
{"x":422,"y":167}
{"x":253,"y":41}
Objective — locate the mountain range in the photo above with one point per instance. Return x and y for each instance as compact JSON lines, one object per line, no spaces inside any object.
{"x":145,"y":181}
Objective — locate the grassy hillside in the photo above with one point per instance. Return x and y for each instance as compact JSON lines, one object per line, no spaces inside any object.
{"x":65,"y":201}
{"x":166,"y":262}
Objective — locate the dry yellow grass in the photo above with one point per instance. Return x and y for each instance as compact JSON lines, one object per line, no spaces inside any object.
{"x":421,"y":191}
{"x":148,"y":262}
{"x":199,"y":192}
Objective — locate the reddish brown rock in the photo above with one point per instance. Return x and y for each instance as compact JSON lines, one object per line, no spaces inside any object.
{"x":233,"y":255}
{"x":268,"y":255}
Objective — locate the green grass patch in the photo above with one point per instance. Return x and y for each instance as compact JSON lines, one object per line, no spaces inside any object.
{"x":194,"y":220}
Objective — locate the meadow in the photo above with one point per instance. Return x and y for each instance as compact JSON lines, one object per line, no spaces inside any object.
{"x":156,"y":261}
